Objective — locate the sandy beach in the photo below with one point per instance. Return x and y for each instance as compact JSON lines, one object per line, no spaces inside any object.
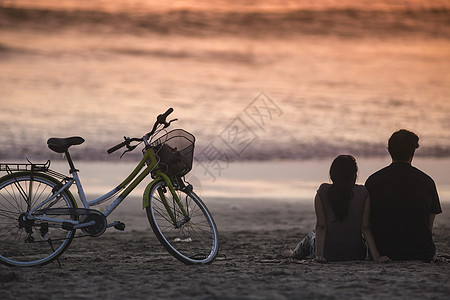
{"x":133,"y":265}
{"x":339,"y":77}
{"x":253,"y":228}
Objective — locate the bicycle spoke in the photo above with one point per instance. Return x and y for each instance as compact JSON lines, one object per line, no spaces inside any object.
{"x":25,"y":246}
{"x":7,"y":214}
{"x":10,"y":199}
{"x":162,"y":213}
{"x":194,"y":239}
{"x":37,"y":195}
{"x":21,"y":191}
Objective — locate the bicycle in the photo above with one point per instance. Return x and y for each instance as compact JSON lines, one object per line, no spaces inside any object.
{"x":39,"y":215}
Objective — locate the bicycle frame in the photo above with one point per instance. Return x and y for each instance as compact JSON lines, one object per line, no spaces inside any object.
{"x":128,"y":185}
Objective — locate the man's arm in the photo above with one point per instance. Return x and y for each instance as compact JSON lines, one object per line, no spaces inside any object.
{"x":431,"y":218}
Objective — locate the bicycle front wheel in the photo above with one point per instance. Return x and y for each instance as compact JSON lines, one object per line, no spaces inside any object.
{"x":192,"y":239}
{"x":30,"y":242}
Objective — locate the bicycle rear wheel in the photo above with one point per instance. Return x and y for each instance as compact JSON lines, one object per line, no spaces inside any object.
{"x":25,"y":242}
{"x":192,"y":240}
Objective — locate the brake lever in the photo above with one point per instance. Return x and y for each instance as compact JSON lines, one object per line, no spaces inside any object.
{"x":129,"y":149}
{"x":168,"y":123}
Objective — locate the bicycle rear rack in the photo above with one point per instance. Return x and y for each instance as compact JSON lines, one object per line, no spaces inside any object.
{"x":10,"y":167}
{"x":45,"y":168}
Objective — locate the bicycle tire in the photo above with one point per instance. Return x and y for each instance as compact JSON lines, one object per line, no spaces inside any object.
{"x":46,"y":242}
{"x":194,"y":242}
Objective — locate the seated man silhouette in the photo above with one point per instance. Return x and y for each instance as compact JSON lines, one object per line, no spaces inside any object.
{"x":404,"y":203}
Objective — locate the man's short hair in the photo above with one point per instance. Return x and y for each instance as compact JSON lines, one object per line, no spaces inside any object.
{"x":402,"y":144}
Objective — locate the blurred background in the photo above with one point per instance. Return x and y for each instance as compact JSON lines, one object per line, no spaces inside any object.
{"x":335,"y":76}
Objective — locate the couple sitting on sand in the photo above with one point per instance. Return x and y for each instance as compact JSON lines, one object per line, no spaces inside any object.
{"x":392,"y":214}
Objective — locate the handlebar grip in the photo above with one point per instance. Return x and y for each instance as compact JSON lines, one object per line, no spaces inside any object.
{"x":168,"y":112}
{"x":115,"y":148}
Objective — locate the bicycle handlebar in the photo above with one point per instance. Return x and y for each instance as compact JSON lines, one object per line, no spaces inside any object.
{"x":116,"y":147}
{"x":123,"y":144}
{"x":160,"y":120}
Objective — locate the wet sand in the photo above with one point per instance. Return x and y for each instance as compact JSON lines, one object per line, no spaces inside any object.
{"x":133,"y":265}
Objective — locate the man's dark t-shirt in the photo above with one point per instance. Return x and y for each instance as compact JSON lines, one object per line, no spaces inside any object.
{"x":402,"y":198}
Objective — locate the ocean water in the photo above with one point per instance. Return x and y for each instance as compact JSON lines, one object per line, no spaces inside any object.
{"x":252,"y":80}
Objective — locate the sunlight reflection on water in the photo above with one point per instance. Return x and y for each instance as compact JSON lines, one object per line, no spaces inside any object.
{"x":336,"y":93}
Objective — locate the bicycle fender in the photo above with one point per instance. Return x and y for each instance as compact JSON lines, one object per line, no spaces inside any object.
{"x":145,"y":200}
{"x":69,"y":193}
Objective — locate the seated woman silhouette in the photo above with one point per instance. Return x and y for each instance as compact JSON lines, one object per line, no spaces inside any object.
{"x":342,"y":211}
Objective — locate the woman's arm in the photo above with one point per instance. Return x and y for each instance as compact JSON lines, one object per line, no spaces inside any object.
{"x":321,"y":229}
{"x":367,"y":232}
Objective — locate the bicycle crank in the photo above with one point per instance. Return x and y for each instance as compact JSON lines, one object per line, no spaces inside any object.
{"x":98,"y":220}
{"x":99,"y":226}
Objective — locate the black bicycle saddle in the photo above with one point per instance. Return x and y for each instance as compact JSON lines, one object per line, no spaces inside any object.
{"x":60,"y":145}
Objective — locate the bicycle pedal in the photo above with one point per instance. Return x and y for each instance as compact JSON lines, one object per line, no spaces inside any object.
{"x":119,"y":226}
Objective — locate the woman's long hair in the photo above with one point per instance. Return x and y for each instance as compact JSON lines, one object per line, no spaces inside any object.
{"x":343,"y":172}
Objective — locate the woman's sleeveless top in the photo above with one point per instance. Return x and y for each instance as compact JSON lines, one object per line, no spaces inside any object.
{"x":343,"y":239}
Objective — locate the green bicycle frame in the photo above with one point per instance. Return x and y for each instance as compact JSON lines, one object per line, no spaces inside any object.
{"x":128,"y":185}
{"x":150,"y":157}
